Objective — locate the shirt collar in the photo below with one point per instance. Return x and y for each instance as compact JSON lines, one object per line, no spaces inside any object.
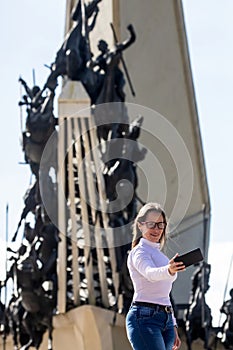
{"x":145,"y":241}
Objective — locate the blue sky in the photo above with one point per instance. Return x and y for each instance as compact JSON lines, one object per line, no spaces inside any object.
{"x":31,"y":33}
{"x":210,"y":35}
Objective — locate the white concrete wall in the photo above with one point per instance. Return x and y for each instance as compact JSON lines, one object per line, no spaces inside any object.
{"x":158,"y":64}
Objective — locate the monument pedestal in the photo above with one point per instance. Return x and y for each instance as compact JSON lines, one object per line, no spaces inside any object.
{"x":87,"y":328}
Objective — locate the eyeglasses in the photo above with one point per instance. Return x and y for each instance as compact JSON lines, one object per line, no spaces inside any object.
{"x":152,"y":224}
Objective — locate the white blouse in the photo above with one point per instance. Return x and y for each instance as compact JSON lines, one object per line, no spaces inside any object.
{"x":148,"y":268}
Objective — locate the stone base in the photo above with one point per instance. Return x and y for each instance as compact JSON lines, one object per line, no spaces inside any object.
{"x":86,"y":328}
{"x":90,"y":327}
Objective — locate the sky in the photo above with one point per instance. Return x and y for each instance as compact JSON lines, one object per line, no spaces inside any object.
{"x":32,"y":32}
{"x":209,"y":29}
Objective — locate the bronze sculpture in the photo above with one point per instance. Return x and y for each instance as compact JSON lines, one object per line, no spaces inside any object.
{"x":104,"y":82}
{"x":227,"y":327}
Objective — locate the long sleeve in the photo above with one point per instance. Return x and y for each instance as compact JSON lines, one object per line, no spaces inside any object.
{"x":146,"y":267}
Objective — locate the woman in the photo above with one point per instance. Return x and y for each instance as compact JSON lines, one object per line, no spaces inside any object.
{"x":150,"y":322}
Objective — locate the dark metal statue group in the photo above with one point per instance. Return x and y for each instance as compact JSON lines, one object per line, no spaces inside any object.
{"x":33,"y":271}
{"x":197,"y":320}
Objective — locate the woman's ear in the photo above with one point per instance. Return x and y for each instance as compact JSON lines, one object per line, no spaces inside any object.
{"x":139,"y":225}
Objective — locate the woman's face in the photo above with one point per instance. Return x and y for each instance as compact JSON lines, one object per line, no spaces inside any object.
{"x":152,"y":234}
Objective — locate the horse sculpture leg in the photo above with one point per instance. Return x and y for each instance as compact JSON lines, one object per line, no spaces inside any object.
{"x":188,"y":339}
{"x":50,"y":338}
{"x":27,"y":346}
{"x":206,"y":340}
{"x":15,"y":339}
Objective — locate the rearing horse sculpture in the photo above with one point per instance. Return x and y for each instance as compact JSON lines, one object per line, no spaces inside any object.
{"x":227,"y":327}
{"x":72,"y":57}
{"x":198,"y":319}
{"x":40,"y":125}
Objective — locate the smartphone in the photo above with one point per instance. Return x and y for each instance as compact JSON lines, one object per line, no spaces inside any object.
{"x":190,"y":258}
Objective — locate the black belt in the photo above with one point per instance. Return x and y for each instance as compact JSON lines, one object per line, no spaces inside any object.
{"x":165,"y":308}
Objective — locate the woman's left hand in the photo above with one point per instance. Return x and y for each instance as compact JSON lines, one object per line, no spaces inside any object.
{"x":177,"y":341}
{"x":174,"y":267}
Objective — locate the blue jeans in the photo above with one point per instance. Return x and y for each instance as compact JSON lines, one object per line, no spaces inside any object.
{"x":149,"y":329}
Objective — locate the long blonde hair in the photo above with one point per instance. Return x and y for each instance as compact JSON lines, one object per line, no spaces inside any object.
{"x":147,"y":208}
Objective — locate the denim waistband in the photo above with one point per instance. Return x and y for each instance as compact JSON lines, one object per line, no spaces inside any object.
{"x":165,"y":308}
